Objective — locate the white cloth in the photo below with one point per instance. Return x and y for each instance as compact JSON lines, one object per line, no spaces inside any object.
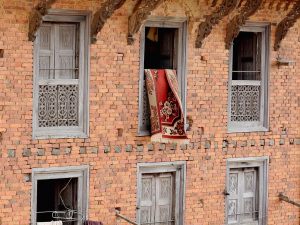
{"x":59,"y":222}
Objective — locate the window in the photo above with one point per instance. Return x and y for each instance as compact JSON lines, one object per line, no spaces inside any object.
{"x":160,"y":193}
{"x":163,"y":46}
{"x":61,"y":76}
{"x":247,"y":191}
{"x":59,"y":194}
{"x":248,"y":83}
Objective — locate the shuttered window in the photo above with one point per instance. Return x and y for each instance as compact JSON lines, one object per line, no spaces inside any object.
{"x":163,"y":46}
{"x":248,"y":95}
{"x":157,"y":199}
{"x":60,"y":79}
{"x":161,"y":193}
{"x":247,"y":191}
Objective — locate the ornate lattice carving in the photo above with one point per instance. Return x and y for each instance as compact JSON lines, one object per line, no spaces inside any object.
{"x":233,"y":184}
{"x":206,"y":27}
{"x":232,"y":210}
{"x":245,"y":103}
{"x":233,"y":27}
{"x":102,"y":15}
{"x":284,"y":26}
{"x":58,"y":105}
{"x":36,"y":16}
{"x":140,"y":13}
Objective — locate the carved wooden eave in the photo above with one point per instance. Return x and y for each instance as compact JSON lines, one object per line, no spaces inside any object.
{"x":140,"y":13}
{"x":206,"y":27}
{"x":36,"y":17}
{"x":102,"y":15}
{"x":233,"y":27}
{"x":284,"y":26}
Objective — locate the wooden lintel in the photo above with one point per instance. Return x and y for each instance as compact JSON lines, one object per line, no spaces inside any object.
{"x":233,"y":27}
{"x":284,"y":26}
{"x":140,"y":13}
{"x":102,"y":15}
{"x":206,"y":27}
{"x":36,"y":17}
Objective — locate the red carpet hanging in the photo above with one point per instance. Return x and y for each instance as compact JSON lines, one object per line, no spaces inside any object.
{"x":167,"y":118}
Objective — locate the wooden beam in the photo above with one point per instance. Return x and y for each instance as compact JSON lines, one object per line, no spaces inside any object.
{"x":140,"y":13}
{"x":285,"y":198}
{"x":102,"y":15}
{"x":36,"y":17}
{"x":234,"y":26}
{"x":284,"y":26}
{"x":206,"y":27}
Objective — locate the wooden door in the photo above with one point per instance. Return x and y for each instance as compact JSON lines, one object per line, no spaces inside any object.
{"x":157,"y":202}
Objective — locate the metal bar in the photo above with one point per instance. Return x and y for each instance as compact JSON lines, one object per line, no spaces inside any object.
{"x":169,"y":221}
{"x":285,"y":198}
{"x":125,"y":218}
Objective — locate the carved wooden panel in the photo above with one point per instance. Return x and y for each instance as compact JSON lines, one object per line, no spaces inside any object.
{"x":36,"y":15}
{"x":284,"y":26}
{"x":102,"y":15}
{"x":140,"y":13}
{"x":206,"y":27}
{"x":233,"y":27}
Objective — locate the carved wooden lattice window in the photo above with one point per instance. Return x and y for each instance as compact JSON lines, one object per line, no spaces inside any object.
{"x":248,"y":109}
{"x":60,"y":77}
{"x":247,"y":191}
{"x":163,"y":46}
{"x":160,"y":193}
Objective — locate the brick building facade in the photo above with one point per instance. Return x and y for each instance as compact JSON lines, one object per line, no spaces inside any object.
{"x":108,"y":157}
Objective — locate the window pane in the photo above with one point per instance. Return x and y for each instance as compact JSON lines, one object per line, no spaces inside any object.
{"x":247,"y":56}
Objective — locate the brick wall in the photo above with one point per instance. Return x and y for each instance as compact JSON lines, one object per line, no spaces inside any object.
{"x":112,"y":156}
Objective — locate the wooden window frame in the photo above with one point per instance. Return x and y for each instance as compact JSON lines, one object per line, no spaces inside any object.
{"x":263,"y":124}
{"x":80,"y":172}
{"x":179,"y":168}
{"x":81,"y":131}
{"x":164,"y":22}
{"x":261,"y":163}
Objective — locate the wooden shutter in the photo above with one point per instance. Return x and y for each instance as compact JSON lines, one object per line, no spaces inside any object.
{"x":65,"y":51}
{"x":164,"y":199}
{"x":46,"y":51}
{"x":147,"y":202}
{"x":242,"y":207}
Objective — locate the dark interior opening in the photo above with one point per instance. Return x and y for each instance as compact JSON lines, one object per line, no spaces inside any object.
{"x":56,"y":195}
{"x":160,"y":48}
{"x":247,"y":56}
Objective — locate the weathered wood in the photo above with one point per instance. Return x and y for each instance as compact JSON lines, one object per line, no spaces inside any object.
{"x":233,"y":27}
{"x":206,"y":27}
{"x":36,"y":16}
{"x":285,"y":198}
{"x":118,"y":214}
{"x":284,"y":26}
{"x":140,"y":13}
{"x":102,"y":15}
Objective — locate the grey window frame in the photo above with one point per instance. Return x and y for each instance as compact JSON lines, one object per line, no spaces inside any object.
{"x":164,"y":22}
{"x":261,"y":163}
{"x":179,"y":167}
{"x":81,"y":131}
{"x":263,"y":124}
{"x":80,"y":172}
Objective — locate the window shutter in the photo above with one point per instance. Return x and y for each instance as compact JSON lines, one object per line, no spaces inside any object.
{"x":164,"y":198}
{"x":147,"y":203}
{"x":65,"y":52}
{"x":233,"y":202}
{"x":144,"y":110}
{"x":46,"y":52}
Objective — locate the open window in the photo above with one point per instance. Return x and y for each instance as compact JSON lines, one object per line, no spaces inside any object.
{"x":59,"y":194}
{"x":247,"y":191}
{"x":61,"y":76}
{"x":163,"y":46}
{"x":161,"y":193}
{"x":248,"y":83}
